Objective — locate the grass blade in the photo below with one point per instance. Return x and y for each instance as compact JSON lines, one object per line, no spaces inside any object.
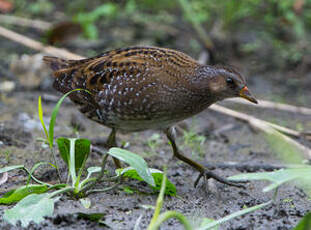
{"x":159,"y":203}
{"x":9,"y":168}
{"x":54,"y":115}
{"x":234,"y":215}
{"x":37,"y":165}
{"x":40,"y":113}
{"x":277,"y":177}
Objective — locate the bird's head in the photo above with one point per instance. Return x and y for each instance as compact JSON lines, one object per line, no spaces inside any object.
{"x":225,"y":82}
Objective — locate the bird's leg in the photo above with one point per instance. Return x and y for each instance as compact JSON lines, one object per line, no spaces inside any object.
{"x":203,"y":171}
{"x":111,"y":142}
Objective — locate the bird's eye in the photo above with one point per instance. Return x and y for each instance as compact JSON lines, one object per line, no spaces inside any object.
{"x":229,"y":80}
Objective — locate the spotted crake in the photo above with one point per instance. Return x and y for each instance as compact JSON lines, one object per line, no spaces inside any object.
{"x":139,"y":88}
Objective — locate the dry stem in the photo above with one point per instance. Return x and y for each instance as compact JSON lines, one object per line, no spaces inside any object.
{"x":19,"y":21}
{"x":274,"y":105}
{"x":264,"y":126}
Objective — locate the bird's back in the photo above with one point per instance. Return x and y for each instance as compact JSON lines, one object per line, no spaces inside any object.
{"x":133,"y":89}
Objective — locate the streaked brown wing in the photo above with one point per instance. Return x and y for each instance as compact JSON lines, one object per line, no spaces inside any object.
{"x":136,"y":81}
{"x":131,"y":83}
{"x":147,"y":61}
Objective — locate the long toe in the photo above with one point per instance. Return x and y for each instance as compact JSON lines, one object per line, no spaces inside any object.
{"x":209,"y":174}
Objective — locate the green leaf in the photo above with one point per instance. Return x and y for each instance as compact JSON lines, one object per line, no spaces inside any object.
{"x":64,"y":148}
{"x":32,"y":208}
{"x":54,"y":115}
{"x":82,"y":150}
{"x":75,"y":153}
{"x":277,"y":177}
{"x":233,"y":215}
{"x":305,"y":223}
{"x":157,"y":176}
{"x":9,"y":168}
{"x":40,"y":113}
{"x":159,"y":205}
{"x":92,"y":170}
{"x":18,"y":194}
{"x":134,"y":160}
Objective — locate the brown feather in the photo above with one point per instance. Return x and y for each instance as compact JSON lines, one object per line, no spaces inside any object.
{"x":137,"y":88}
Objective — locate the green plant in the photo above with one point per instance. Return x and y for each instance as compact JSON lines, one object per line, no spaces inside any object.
{"x":279,"y":177}
{"x":49,"y":134}
{"x":74,"y":152}
{"x":157,"y":175}
{"x":206,"y":223}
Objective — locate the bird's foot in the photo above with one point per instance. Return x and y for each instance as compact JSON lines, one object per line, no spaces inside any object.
{"x":207,"y":174}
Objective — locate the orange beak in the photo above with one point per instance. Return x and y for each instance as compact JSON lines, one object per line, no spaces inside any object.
{"x":247,"y":95}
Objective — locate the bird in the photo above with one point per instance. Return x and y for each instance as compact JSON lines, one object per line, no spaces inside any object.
{"x":147,"y":88}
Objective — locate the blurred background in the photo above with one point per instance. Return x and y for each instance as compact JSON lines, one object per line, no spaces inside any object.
{"x":268,"y":40}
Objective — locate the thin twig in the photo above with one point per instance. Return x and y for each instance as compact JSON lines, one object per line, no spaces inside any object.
{"x":19,"y":21}
{"x":37,"y":45}
{"x":263,"y":126}
{"x":247,"y":118}
{"x":274,"y":105}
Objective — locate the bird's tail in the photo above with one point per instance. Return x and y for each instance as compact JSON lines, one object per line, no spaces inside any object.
{"x":63,"y":72}
{"x":68,"y":76}
{"x":56,"y":63}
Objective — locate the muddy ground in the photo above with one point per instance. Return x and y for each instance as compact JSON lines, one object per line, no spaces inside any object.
{"x":227,"y":140}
